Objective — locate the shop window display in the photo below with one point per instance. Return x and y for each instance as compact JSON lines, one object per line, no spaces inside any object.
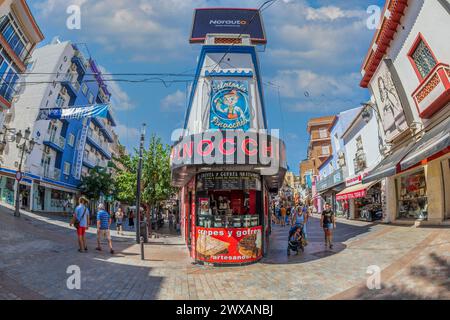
{"x":413,"y":202}
{"x":228,"y":209}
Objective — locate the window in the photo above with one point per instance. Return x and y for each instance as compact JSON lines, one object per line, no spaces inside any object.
{"x":71,"y":140}
{"x":422,"y":58}
{"x":323,"y":133}
{"x":84,"y":88}
{"x":60,"y":101}
{"x":325,"y":150}
{"x":66,"y":168}
{"x":91,"y":98}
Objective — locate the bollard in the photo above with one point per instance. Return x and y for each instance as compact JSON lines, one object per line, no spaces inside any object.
{"x":142,"y":248}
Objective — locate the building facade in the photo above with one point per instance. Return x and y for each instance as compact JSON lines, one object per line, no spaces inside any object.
{"x":407,"y":71}
{"x":19,"y":35}
{"x":66,"y":150}
{"x":334,"y":170}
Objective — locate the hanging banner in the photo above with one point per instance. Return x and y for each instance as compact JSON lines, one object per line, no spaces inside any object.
{"x":229,"y":105}
{"x":97,"y":110}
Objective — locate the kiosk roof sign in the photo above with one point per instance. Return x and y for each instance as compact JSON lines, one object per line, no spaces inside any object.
{"x":227,"y":21}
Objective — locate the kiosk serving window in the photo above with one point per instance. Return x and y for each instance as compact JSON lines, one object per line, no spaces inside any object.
{"x":228,"y":199}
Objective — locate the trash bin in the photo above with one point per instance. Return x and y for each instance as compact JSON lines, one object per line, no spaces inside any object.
{"x":143,"y":231}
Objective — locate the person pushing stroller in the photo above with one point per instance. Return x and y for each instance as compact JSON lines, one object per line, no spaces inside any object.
{"x":295,"y":241}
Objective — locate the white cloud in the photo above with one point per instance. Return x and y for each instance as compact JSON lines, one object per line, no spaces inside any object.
{"x":129,"y":136}
{"x":332,"y":13}
{"x":174,"y":102}
{"x":120,"y":100}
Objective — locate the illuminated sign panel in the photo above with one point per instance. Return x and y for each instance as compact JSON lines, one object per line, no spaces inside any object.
{"x":227,"y":21}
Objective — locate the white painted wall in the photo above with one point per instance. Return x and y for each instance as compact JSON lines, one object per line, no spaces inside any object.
{"x":369,"y":134}
{"x":433,"y":21}
{"x":48,"y":59}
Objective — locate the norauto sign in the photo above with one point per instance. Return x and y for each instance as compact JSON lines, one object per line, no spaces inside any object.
{"x":228,"y":147}
{"x":227,"y":21}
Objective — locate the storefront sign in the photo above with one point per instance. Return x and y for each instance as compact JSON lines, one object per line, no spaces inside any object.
{"x":333,"y":179}
{"x":230,"y":147}
{"x":229,"y":105}
{"x":227,"y":21}
{"x":228,"y":180}
{"x":229,"y":245}
{"x":355,"y":179}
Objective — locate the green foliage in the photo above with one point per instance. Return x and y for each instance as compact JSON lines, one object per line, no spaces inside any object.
{"x":98,"y":182}
{"x":156,"y":177}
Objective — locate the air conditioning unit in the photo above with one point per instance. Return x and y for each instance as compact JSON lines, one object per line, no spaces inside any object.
{"x":63,"y":90}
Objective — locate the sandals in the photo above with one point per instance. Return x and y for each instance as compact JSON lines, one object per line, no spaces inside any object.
{"x":80,"y":251}
{"x":98,"y":249}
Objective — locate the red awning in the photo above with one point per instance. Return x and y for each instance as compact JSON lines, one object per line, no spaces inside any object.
{"x":354,"y":192}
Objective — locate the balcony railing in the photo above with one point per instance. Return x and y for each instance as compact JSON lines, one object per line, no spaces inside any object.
{"x":58,"y":141}
{"x":434,"y":91}
{"x":54,"y":174}
{"x":102,"y":146}
{"x":70,"y":82}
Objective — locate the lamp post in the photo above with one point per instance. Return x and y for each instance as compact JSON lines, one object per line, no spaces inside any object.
{"x":366,"y":115}
{"x":139,"y":238}
{"x":24,"y":147}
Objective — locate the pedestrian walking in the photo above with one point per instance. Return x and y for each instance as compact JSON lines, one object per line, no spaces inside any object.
{"x":283,"y":215}
{"x":80,"y":220}
{"x":170,"y":218}
{"x":328,"y":223}
{"x":104,"y":221}
{"x":131,"y":219}
{"x":119,"y":221}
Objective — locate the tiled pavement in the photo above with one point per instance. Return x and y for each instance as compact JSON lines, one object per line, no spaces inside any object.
{"x":35,"y":253}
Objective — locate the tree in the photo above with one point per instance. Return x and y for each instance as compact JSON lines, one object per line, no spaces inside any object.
{"x":156,"y":183}
{"x":156,"y":173}
{"x":98,"y":182}
{"x":125,"y":179}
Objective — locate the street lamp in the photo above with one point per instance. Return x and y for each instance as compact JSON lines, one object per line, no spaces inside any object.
{"x":367,"y":115}
{"x":25,"y":145}
{"x":139,"y":237}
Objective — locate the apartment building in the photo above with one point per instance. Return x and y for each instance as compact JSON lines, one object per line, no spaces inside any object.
{"x":66,"y":150}
{"x":19,"y":35}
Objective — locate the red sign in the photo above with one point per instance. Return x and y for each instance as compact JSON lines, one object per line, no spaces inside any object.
{"x":229,"y":245}
{"x":19,"y":176}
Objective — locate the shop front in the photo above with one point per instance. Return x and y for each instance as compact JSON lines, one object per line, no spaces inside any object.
{"x":364,"y":201}
{"x":329,"y":187}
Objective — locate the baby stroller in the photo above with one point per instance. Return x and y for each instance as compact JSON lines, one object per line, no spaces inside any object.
{"x":295,"y":240}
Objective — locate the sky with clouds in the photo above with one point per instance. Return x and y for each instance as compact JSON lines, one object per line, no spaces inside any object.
{"x":314,"y":53}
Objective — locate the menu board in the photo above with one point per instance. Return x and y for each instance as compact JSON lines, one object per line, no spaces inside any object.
{"x":228,"y":180}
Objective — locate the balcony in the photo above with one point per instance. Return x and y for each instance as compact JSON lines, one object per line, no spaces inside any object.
{"x":54,"y":174}
{"x":79,"y":60}
{"x":103,"y":96}
{"x":71,"y":84}
{"x":433,"y":93}
{"x":100,"y":146}
{"x":57,"y":143}
{"x":104,"y":128}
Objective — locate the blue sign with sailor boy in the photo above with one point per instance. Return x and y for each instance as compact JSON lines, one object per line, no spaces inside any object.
{"x":229,"y":105}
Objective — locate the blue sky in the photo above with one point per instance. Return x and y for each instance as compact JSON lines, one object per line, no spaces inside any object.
{"x":314,"y":54}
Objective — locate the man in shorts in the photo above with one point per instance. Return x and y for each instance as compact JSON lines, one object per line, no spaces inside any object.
{"x":81,"y":215}
{"x":103,"y":224}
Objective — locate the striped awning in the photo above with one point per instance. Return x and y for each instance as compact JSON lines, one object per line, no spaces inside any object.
{"x":354,"y":192}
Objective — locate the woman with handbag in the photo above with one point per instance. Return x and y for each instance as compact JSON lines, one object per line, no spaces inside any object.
{"x":80,"y":221}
